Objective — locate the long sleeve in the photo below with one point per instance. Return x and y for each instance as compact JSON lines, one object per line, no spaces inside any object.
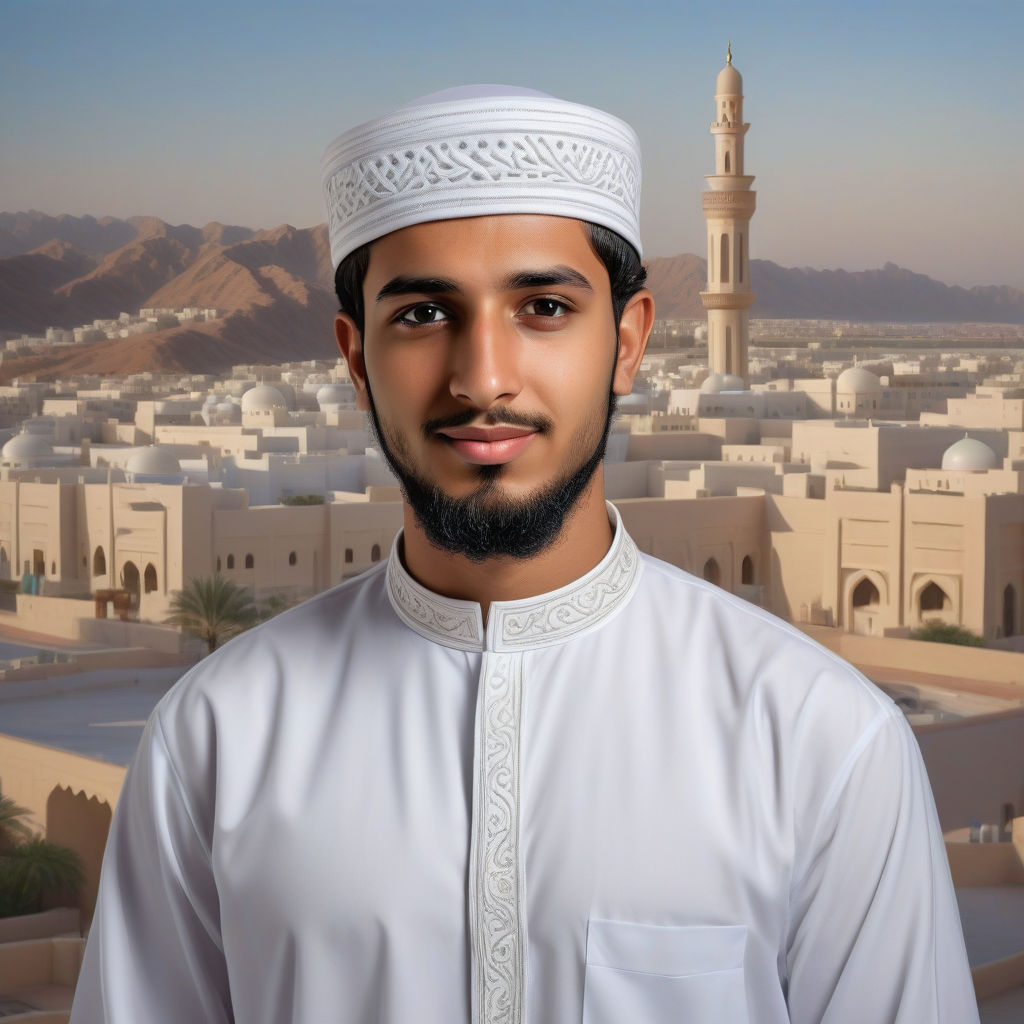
{"x":875,"y":933}
{"x":154,"y":950}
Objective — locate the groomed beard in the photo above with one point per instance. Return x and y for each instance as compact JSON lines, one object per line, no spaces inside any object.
{"x":488,"y":523}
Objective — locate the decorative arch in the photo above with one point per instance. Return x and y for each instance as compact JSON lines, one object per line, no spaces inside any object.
{"x":99,"y":561}
{"x":149,"y":578}
{"x":935,"y":596}
{"x":865,"y":601}
{"x":728,"y":163}
{"x":712,"y":572}
{"x":724,"y":259}
{"x":739,"y":258}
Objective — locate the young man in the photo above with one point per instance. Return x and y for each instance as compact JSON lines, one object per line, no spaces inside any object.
{"x":521,"y":772}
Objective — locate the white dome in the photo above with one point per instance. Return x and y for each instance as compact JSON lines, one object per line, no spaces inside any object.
{"x":971,"y":455}
{"x":719,"y":382}
{"x":858,"y":381}
{"x":262,"y":398}
{"x":153,"y":461}
{"x":27,"y":446}
{"x":333,"y":394}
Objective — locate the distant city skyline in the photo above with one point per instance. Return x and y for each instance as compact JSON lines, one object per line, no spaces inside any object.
{"x":881,"y":133}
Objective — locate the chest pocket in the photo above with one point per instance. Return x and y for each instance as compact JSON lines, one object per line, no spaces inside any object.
{"x":657,"y":974}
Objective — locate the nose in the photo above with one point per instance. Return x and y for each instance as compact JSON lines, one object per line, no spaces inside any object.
{"x":485,"y":361}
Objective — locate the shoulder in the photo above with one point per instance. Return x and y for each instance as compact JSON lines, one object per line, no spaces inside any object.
{"x":757,"y":662}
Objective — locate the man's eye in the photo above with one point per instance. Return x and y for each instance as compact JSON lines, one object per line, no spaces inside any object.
{"x":425,"y":313}
{"x":545,"y":307}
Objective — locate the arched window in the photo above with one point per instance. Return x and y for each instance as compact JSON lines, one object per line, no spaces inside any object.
{"x":724,"y":259}
{"x":149,"y":578}
{"x":727,"y":162}
{"x":99,"y":562}
{"x":348,"y":556}
{"x":231,"y":561}
{"x":218,"y":563}
{"x":747,"y":570}
{"x":3,"y":554}
{"x":292,"y":558}
{"x":375,"y":553}
{"x":1009,"y":611}
{"x":712,"y":573}
{"x":711,"y":258}
{"x":933,"y":598}
{"x":739,"y":258}
{"x":53,"y":568}
{"x":865,"y":594}
{"x":249,"y":562}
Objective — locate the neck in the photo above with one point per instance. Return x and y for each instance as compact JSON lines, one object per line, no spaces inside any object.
{"x":583,"y":541}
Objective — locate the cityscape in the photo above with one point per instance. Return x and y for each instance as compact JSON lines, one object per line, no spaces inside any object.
{"x":861,"y":478}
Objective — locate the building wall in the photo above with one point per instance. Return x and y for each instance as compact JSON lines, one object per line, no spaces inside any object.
{"x":70,"y":797}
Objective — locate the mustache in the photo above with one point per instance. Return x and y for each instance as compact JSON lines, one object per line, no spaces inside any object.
{"x":494,"y":416}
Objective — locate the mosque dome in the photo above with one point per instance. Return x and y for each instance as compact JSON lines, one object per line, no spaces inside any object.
{"x":262,"y":398}
{"x":333,"y":394}
{"x":729,"y":82}
{"x":27,"y":446}
{"x":153,"y":461}
{"x":970,"y":455}
{"x":858,"y":381}
{"x":716,"y":383}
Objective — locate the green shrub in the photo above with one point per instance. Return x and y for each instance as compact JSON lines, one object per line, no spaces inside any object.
{"x":942,"y":633}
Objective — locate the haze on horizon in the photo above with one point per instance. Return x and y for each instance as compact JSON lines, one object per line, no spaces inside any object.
{"x":881,"y":133}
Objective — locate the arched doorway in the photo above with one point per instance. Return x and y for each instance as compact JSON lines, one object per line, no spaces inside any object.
{"x":865,"y":608}
{"x":712,"y":573}
{"x":933,"y":599}
{"x":149,"y":578}
{"x":130,"y":580}
{"x":747,"y":570}
{"x":99,"y":562}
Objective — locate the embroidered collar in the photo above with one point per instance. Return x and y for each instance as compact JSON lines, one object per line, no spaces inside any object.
{"x":540,"y":621}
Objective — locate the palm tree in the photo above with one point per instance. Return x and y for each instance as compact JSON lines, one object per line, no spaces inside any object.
{"x":213,"y":609}
{"x":35,"y":868}
{"x":12,"y":824}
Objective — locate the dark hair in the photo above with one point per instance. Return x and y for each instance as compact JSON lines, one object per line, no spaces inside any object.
{"x":625,"y":272}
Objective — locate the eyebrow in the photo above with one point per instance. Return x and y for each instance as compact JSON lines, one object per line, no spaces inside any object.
{"x":542,"y":278}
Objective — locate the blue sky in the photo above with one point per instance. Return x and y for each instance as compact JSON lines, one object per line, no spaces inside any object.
{"x":878,"y":132}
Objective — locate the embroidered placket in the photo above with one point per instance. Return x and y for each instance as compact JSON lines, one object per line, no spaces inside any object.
{"x":497,"y":908}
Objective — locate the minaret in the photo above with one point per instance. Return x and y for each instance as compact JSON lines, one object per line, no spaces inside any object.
{"x":728,"y":207}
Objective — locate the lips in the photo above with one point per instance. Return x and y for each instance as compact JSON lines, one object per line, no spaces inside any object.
{"x":487,"y":446}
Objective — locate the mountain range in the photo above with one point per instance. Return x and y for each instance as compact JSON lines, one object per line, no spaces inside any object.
{"x":276,"y":290}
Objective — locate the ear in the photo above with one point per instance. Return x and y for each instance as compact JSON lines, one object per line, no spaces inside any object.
{"x":350,"y":342}
{"x":634,"y":329}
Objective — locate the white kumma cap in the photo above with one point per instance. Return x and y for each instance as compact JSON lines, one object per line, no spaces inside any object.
{"x":477,"y":151}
